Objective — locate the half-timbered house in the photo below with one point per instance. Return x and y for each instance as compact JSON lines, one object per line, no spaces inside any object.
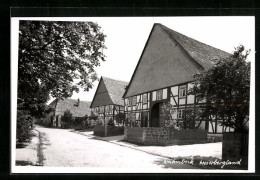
{"x":107,"y":101}
{"x":164,"y":74}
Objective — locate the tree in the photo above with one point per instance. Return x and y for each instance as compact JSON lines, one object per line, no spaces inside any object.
{"x":226,"y":88}
{"x":56,"y":58}
{"x":52,"y":54}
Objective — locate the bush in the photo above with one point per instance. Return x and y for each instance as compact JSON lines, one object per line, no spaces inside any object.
{"x":94,"y":119}
{"x":99,"y":122}
{"x":24,"y":127}
{"x":67,"y":118}
{"x":110,"y":122}
{"x":120,"y":118}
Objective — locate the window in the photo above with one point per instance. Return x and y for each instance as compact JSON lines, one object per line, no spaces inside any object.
{"x":164,"y":93}
{"x":130,"y":101}
{"x":134,"y":101}
{"x":181,"y":113}
{"x":159,"y":95}
{"x":101,"y":109}
{"x":126,"y":102}
{"x":182,"y":92}
{"x":107,"y":109}
{"x":145,"y":100}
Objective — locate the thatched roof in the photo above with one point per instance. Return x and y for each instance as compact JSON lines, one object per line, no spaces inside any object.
{"x":77,"y":107}
{"x":170,"y":58}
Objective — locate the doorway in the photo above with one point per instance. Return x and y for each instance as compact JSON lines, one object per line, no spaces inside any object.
{"x":155,"y":115}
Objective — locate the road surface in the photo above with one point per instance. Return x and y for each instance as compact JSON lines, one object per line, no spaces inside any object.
{"x":62,"y":148}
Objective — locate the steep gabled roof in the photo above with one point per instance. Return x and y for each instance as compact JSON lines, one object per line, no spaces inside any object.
{"x":109,"y":91}
{"x":76,"y":107}
{"x":116,"y":89}
{"x":170,"y":58}
{"x":204,"y":54}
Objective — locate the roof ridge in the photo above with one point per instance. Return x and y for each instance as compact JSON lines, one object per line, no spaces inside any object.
{"x":76,"y":100}
{"x":104,"y":77}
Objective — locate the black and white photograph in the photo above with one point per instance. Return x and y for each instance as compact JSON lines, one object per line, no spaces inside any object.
{"x":133,"y":94}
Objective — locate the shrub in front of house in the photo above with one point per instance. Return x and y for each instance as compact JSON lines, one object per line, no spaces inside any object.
{"x":24,"y":127}
{"x":67,"y":119}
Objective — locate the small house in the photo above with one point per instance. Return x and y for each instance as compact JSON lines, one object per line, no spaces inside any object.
{"x":78,"y":108}
{"x":163,"y":75}
{"x":107,"y":101}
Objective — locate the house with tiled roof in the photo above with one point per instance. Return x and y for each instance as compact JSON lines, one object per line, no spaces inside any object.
{"x":77,"y":107}
{"x":107,"y":101}
{"x":164,"y":74}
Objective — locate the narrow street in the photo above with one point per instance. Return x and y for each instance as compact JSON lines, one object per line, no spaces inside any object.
{"x":62,"y":148}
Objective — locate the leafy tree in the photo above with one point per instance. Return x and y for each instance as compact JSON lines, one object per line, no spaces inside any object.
{"x":52,"y":54}
{"x":193,"y":115}
{"x":226,"y":89}
{"x":55,"y":59}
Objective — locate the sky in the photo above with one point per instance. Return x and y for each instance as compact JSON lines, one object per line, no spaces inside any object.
{"x":126,"y":38}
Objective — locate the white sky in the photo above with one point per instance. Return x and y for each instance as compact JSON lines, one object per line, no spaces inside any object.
{"x":126,"y":38}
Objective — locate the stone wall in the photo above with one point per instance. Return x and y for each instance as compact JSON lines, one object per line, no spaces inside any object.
{"x":111,"y":130}
{"x":164,"y":136}
{"x":99,"y":130}
{"x":115,"y":131}
{"x":157,"y":136}
{"x":215,"y":138}
{"x":134,"y":134}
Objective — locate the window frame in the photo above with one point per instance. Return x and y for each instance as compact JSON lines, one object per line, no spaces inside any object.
{"x":181,"y":111}
{"x":129,"y":101}
{"x":145,"y":102}
{"x":182,"y":91}
{"x":134,"y":100}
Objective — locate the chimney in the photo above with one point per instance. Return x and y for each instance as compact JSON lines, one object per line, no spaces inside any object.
{"x":78,"y":102}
